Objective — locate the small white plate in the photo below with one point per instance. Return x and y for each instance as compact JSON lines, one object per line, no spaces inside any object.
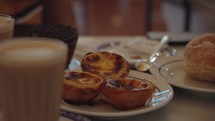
{"x":175,"y":37}
{"x":173,"y":71}
{"x":133,"y":51}
{"x":162,"y":96}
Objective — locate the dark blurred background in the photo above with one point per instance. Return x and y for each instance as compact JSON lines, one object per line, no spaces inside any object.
{"x":97,"y":17}
{"x":117,"y":17}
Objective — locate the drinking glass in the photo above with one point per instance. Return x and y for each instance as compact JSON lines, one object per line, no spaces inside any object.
{"x":31,"y":76}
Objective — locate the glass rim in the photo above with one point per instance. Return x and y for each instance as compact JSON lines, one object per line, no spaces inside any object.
{"x":58,"y":42}
{"x":6,"y":16}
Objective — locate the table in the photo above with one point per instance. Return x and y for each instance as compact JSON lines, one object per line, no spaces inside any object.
{"x":184,"y":106}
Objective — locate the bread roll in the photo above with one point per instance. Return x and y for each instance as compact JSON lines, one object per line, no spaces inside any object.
{"x":199,"y":57}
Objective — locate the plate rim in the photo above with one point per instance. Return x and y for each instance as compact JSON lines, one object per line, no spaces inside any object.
{"x":125,"y":113}
{"x":191,"y":88}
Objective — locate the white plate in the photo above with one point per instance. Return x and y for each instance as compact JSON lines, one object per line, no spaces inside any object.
{"x":173,"y":71}
{"x":129,"y":50}
{"x":163,"y":95}
{"x":176,"y":37}
{"x":135,"y":50}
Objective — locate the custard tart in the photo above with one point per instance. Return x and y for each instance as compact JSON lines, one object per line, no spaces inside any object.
{"x":81,"y":87}
{"x":128,"y":93}
{"x":105,"y":64}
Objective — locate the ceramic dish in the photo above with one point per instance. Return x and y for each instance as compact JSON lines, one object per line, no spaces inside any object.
{"x":162,"y":96}
{"x":129,"y":50}
{"x":173,"y":71}
{"x":135,"y":50}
